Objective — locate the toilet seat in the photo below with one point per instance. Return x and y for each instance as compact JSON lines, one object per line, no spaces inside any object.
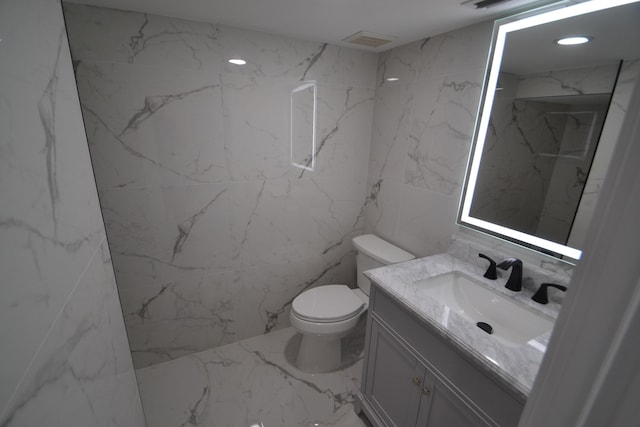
{"x":327,"y":304}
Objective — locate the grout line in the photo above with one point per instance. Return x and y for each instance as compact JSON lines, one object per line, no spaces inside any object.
{"x":46,"y":335}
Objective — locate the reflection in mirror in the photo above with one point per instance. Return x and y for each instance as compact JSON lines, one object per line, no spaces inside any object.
{"x":545,"y":108}
{"x":538,"y":152}
{"x":303,"y":126}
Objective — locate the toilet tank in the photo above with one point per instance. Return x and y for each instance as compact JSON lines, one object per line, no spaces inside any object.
{"x":373,"y":252}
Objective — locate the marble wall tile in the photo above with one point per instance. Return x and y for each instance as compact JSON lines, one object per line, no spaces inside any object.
{"x":82,"y":374}
{"x":456,"y":51}
{"x":167,"y":234}
{"x":275,"y":56}
{"x":65,"y":356}
{"x":256,"y":122}
{"x":344,"y":119}
{"x":381,"y":208}
{"x":50,"y":39}
{"x":286,"y":220}
{"x":256,"y":126}
{"x":421,"y":135}
{"x":390,"y":131}
{"x":192,"y":160}
{"x":110,"y":35}
{"x":441,"y":131}
{"x":138,"y":116}
{"x":404,"y":215}
{"x":418,"y":210}
{"x":49,"y":216}
{"x":402,"y":63}
{"x":135,"y":38}
{"x":168,"y":320}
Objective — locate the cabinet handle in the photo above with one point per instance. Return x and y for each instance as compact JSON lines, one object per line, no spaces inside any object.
{"x":425,"y":391}
{"x":417,"y":381}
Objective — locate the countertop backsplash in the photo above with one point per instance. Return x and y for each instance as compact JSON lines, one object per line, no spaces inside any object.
{"x":535,"y":270}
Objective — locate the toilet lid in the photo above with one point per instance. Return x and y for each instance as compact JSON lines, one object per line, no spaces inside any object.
{"x":330,"y":303}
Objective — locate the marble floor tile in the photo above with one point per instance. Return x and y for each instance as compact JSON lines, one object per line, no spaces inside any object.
{"x":251,"y":382}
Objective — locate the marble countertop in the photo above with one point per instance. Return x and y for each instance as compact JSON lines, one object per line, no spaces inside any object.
{"x":514,"y":366}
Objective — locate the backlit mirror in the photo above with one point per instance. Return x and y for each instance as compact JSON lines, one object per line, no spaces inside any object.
{"x":548,"y":122}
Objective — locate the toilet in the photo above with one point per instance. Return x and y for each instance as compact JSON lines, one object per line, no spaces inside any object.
{"x":325,"y":314}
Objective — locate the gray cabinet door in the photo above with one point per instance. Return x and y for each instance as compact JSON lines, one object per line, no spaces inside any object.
{"x":394,"y":379}
{"x":405,"y":393}
{"x":442,"y":407}
{"x":414,"y":378}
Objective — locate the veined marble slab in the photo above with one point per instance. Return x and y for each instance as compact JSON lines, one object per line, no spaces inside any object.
{"x":514,"y":366}
{"x":213,"y":232}
{"x":64,"y":352}
{"x":248,"y":383}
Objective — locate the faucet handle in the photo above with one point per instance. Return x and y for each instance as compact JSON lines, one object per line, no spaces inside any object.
{"x":541,"y":296}
{"x":491,"y":272}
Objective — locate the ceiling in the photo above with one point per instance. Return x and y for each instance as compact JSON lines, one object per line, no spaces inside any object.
{"x":326,"y":20}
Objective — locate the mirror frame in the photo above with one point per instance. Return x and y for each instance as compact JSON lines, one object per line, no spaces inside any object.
{"x":502,"y":27}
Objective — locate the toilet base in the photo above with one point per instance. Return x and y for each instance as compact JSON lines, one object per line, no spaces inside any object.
{"x":319,"y":353}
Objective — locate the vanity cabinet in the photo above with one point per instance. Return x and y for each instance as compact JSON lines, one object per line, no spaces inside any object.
{"x":405,"y":392}
{"x":412,"y":377}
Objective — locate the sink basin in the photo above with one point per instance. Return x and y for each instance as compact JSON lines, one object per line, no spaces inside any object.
{"x":511,"y":322}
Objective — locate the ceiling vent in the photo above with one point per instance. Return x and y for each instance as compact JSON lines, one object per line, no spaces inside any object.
{"x":484,"y":4}
{"x":364,"y":38}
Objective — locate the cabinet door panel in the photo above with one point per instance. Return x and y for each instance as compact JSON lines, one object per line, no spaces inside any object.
{"x":443,"y":408}
{"x":394,"y":379}
{"x":503,"y":407}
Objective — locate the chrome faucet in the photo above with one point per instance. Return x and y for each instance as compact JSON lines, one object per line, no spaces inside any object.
{"x":514,"y":283}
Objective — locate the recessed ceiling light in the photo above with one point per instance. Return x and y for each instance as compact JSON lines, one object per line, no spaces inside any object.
{"x":392,"y":79}
{"x":237,"y":61}
{"x":570,"y":41}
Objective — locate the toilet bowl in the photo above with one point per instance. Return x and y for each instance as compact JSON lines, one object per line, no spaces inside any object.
{"x":325,"y":314}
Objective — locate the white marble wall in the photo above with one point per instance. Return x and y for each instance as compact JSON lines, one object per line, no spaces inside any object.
{"x":421,"y":135}
{"x":65,"y":356}
{"x":212,"y":231}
